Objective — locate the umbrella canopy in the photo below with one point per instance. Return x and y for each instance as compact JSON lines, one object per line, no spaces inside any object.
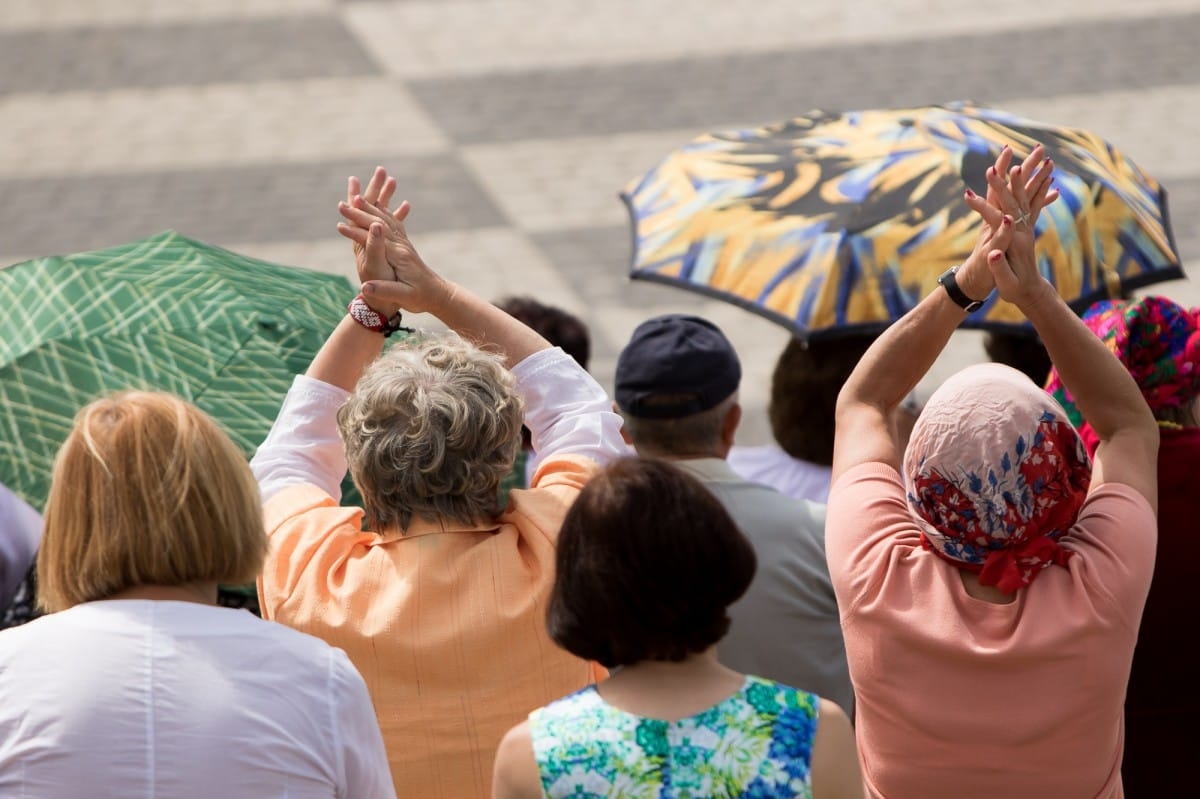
{"x":834,"y":223}
{"x":221,"y":330}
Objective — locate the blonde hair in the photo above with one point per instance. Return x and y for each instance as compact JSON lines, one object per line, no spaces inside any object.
{"x":147,"y":490}
{"x":431,"y":429}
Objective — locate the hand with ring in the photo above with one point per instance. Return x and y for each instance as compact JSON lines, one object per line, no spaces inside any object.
{"x":1030,"y":189}
{"x":974,"y":277}
{"x":1022,"y":197}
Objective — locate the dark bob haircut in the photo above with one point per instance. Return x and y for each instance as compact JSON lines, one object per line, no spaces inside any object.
{"x":648,"y":563}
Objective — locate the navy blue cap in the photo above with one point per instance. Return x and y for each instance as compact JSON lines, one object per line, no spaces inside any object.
{"x":675,"y":365}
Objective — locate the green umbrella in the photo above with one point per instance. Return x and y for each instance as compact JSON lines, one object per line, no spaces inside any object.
{"x":221,"y":330}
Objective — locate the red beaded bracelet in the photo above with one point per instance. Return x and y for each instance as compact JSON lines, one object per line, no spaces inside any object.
{"x":371,"y":319}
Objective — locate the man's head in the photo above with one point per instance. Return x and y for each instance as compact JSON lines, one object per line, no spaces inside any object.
{"x":430,"y":430}
{"x":804,"y":392}
{"x":676,"y":387}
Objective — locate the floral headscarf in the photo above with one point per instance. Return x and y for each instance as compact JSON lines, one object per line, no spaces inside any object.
{"x":1156,"y":340}
{"x":995,"y":475}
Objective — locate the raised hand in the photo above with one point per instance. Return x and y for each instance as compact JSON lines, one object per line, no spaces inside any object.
{"x":1028,"y":190}
{"x":974,"y":277}
{"x":400,"y":278}
{"x":378,"y":194}
{"x":1022,"y":197}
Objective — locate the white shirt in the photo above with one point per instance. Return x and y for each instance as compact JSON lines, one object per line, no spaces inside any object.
{"x":566,"y":410}
{"x":20,"y":534}
{"x":151,"y":698}
{"x":773,"y":467}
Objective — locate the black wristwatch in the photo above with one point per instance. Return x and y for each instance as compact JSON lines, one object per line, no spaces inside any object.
{"x":947,"y":281}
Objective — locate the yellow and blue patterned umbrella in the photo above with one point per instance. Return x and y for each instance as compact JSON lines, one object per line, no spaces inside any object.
{"x":221,"y":330}
{"x":833,"y":223}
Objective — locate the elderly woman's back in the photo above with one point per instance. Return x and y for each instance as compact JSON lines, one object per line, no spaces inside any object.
{"x":436,"y":593}
{"x":442,"y":614}
{"x":983,"y":657}
{"x":991,"y":581}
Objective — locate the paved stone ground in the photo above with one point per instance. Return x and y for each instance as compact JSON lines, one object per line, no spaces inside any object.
{"x":513,"y":124}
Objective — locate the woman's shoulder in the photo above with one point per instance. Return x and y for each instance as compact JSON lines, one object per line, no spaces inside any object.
{"x":775,"y":698}
{"x":584,"y":702}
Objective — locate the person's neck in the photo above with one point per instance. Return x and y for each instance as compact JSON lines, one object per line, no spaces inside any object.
{"x":671,"y":690}
{"x":700,"y":453}
{"x":202,"y":593}
{"x":698,"y":665}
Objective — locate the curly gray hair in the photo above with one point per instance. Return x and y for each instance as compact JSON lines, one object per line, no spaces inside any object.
{"x":431,"y":429}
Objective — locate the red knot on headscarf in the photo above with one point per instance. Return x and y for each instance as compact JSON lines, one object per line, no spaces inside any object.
{"x":995,"y":475}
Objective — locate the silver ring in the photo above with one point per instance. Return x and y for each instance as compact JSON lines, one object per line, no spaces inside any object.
{"x":1022,"y":218}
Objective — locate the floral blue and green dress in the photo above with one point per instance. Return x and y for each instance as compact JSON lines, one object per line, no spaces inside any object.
{"x":757,"y":743}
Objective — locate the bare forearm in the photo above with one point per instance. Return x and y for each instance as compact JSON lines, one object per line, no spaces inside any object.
{"x":1102,"y":388}
{"x":903,"y":354}
{"x":481,"y":322}
{"x":346,"y":354}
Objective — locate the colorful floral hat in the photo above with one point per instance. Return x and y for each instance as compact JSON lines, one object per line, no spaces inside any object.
{"x":1157,"y":340}
{"x":995,"y":475}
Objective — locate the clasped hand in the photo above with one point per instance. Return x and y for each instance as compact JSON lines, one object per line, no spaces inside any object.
{"x":1003,"y":257}
{"x":391,"y":271}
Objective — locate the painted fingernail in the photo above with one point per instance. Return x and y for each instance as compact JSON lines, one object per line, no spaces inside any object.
{"x":991,"y":171}
{"x":1007,"y":220}
{"x":970,"y":193}
{"x":994,"y":256}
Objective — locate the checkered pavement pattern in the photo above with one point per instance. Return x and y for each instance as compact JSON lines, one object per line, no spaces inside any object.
{"x":513,"y":124}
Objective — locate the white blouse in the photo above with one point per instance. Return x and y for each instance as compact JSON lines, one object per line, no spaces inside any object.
{"x":152,"y":698}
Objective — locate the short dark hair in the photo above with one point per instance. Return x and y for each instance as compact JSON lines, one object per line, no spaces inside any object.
{"x":561,"y":328}
{"x":804,"y":392}
{"x":1024,"y":352}
{"x":648,"y":563}
{"x":695,"y":435}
